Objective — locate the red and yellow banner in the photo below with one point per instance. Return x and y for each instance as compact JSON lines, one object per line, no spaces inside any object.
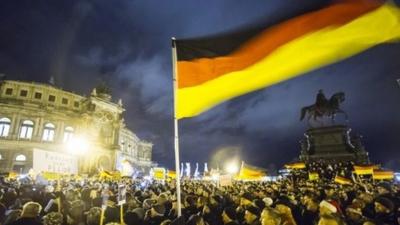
{"x":249,"y":172}
{"x":383,"y":175}
{"x":294,"y":166}
{"x":213,"y":70}
{"x":364,"y":170}
{"x":342,"y":180}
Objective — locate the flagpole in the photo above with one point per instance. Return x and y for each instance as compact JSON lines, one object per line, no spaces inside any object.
{"x":176,"y":133}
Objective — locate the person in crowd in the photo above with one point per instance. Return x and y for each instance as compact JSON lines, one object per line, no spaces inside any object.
{"x":285,"y":207}
{"x":293,"y":200}
{"x":310,"y":212}
{"x":93,"y":216}
{"x":30,"y":214}
{"x":12,"y":216}
{"x":384,"y":211}
{"x":354,"y":215}
{"x":331,"y":220}
{"x":195,"y":220}
{"x":270,"y":216}
{"x":229,"y":216}
{"x":53,"y":218}
{"x":155,"y":215}
{"x":246,"y":200}
{"x":251,"y":215}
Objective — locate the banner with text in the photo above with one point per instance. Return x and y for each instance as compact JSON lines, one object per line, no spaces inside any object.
{"x":47,"y":161}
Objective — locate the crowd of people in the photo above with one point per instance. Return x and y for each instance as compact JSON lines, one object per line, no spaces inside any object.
{"x":288,"y":201}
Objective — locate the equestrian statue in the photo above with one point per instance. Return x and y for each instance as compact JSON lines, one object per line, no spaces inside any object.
{"x":324,"y":107}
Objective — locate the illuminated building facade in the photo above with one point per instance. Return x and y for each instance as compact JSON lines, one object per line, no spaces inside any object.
{"x":40,"y":121}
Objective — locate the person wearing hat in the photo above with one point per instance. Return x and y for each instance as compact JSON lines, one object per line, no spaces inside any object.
{"x":251,"y":215}
{"x":229,"y":216}
{"x":29,"y":215}
{"x":327,"y":208}
{"x":384,"y":211}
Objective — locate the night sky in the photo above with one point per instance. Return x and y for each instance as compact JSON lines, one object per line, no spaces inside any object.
{"x":127,"y":44}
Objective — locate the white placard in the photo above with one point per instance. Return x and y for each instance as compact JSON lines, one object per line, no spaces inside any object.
{"x":54,"y":162}
{"x":121,"y":198}
{"x":225,"y":180}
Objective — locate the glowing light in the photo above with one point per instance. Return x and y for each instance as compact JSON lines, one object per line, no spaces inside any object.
{"x":127,"y":169}
{"x":232,"y":167}
{"x":215,"y":176}
{"x":77,"y":145}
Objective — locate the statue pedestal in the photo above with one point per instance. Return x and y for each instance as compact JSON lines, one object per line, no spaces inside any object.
{"x":332,"y":144}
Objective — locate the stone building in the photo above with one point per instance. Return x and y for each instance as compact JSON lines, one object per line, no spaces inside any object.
{"x":46,"y":128}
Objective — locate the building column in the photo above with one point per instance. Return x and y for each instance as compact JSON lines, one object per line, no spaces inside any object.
{"x":37,"y":129}
{"x":14,"y":126}
{"x":58,"y":136}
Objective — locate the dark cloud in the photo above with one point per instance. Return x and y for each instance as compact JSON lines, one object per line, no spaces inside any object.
{"x":127,"y":44}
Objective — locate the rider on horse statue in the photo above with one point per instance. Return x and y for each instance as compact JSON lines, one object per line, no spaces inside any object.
{"x":320,"y":102}
{"x":321,"y":99}
{"x":324,"y":107}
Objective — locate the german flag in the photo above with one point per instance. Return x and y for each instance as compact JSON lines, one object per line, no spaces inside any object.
{"x":364,"y":170}
{"x":171,"y":174}
{"x":383,"y":175}
{"x":212,"y":70}
{"x":313,"y":176}
{"x":159,"y":173}
{"x":342,"y":180}
{"x":251,"y":172}
{"x":295,"y":166}
{"x":105,"y":174}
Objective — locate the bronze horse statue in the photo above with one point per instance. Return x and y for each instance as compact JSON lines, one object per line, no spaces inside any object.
{"x":324,"y":107}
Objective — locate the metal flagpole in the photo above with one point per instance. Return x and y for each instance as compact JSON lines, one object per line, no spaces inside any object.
{"x":176,"y":135}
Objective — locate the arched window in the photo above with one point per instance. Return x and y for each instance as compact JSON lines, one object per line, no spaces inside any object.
{"x":20,"y":158}
{"x":48,"y":132}
{"x":5,"y":124}
{"x":26,"y":129}
{"x":68,"y":134}
{"x":1,"y":157}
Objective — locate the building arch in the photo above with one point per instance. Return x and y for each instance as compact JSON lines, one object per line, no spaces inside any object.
{"x":48,"y":132}
{"x":5,"y":124}
{"x":26,"y":129}
{"x":20,"y":158}
{"x":68,"y":133}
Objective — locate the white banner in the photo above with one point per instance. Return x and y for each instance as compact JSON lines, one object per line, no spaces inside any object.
{"x":54,"y":162}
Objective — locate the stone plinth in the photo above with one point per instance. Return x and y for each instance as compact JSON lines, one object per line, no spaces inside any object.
{"x":332,"y":144}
